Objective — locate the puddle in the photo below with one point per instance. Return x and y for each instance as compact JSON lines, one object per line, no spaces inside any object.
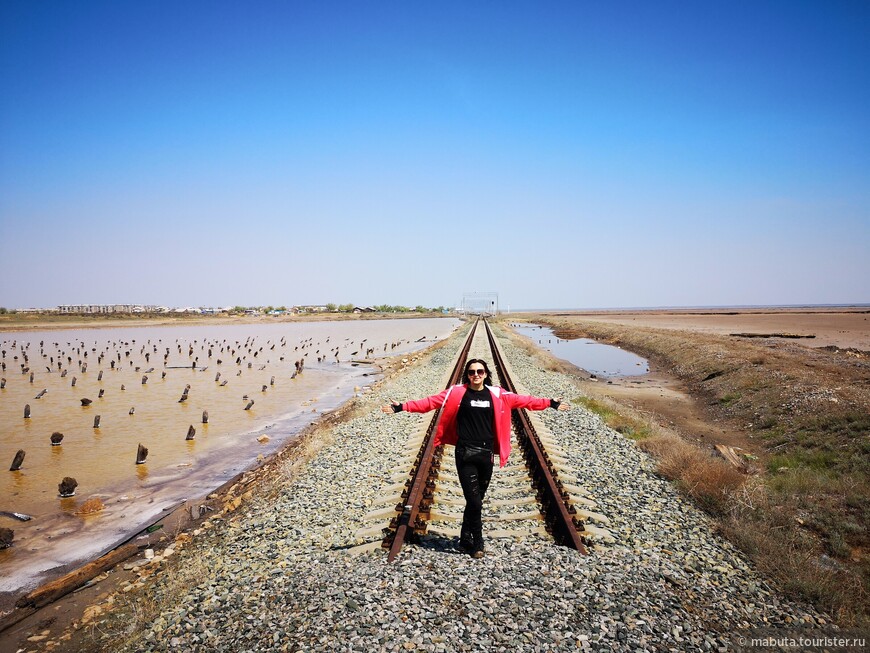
{"x":596,"y":358}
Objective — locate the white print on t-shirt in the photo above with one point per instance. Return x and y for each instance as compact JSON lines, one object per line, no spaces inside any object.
{"x":480,"y":403}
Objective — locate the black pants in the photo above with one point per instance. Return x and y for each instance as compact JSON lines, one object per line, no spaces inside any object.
{"x":474,"y":467}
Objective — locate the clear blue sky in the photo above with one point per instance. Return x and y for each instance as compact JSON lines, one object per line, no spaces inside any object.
{"x":564,"y":154}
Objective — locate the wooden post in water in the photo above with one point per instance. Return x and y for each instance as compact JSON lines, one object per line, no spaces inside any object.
{"x":250,"y":403}
{"x":191,"y":433}
{"x":86,"y":402}
{"x":67,"y":487}
{"x":102,"y":391}
{"x":205,"y":417}
{"x":141,"y":454}
{"x":26,"y":411}
{"x":73,"y":384}
{"x":144,"y":380}
{"x":96,"y":421}
{"x":6,"y":535}
{"x":132,"y":410}
{"x":2,"y":383}
{"x":56,"y":438}
{"x":100,"y":376}
{"x":17,"y":461}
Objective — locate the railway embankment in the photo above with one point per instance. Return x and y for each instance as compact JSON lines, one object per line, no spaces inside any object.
{"x":282,"y":571}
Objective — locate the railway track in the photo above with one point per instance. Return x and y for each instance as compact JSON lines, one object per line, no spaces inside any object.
{"x":539,"y":495}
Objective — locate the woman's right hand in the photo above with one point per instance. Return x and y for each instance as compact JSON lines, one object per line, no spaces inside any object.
{"x":388,"y":408}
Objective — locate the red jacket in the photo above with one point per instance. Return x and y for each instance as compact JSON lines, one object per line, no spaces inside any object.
{"x":502,"y":403}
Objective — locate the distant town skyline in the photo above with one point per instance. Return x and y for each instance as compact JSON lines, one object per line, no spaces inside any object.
{"x":565,"y":154}
{"x":286,"y":307}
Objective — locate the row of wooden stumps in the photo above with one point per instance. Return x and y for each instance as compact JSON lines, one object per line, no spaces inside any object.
{"x":141,"y":454}
{"x":86,"y":402}
{"x":18,"y":460}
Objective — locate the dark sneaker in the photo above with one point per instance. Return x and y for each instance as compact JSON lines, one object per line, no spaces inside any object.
{"x":465,"y":544}
{"x":477,"y":551}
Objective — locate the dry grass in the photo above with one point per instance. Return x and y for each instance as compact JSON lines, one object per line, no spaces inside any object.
{"x":630,"y":423}
{"x":773,"y":527}
{"x":804,"y":519}
{"x":134,"y":613}
{"x":709,"y":480}
{"x":755,"y":516}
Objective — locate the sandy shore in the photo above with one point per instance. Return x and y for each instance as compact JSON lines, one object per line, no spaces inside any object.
{"x":46,"y":321}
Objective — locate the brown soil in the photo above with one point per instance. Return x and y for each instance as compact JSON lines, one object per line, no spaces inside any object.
{"x":843,"y":328}
{"x":666,"y":400}
{"x":685,"y":349}
{"x":801,"y":411}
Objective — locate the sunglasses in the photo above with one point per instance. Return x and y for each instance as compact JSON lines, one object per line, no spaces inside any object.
{"x":480,"y":372}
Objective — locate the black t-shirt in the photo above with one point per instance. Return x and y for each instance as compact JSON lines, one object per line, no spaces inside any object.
{"x":475,"y":419}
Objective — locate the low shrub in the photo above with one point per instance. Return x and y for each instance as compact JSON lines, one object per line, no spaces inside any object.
{"x":709,"y":480}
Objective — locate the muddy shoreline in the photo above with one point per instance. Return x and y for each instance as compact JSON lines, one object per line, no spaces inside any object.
{"x":69,"y":540}
{"x":39,"y":322}
{"x":179,"y":526}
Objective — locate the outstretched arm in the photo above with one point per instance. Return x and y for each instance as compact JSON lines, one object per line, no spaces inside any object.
{"x":417,"y":406}
{"x":535,"y":403}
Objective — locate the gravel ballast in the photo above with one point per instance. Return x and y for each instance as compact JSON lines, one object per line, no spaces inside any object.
{"x":282,"y":575}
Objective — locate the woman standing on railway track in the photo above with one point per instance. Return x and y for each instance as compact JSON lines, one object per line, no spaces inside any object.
{"x":476,"y":417}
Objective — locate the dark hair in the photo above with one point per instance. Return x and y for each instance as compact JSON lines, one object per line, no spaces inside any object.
{"x":487,"y":380}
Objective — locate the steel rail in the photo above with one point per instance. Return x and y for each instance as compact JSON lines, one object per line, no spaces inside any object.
{"x":559,"y":515}
{"x":417,"y":496}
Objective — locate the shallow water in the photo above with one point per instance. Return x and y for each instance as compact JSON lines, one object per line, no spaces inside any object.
{"x":255,"y":362}
{"x":594,"y":357}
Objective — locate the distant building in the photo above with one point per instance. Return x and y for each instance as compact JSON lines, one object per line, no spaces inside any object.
{"x":105,"y":308}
